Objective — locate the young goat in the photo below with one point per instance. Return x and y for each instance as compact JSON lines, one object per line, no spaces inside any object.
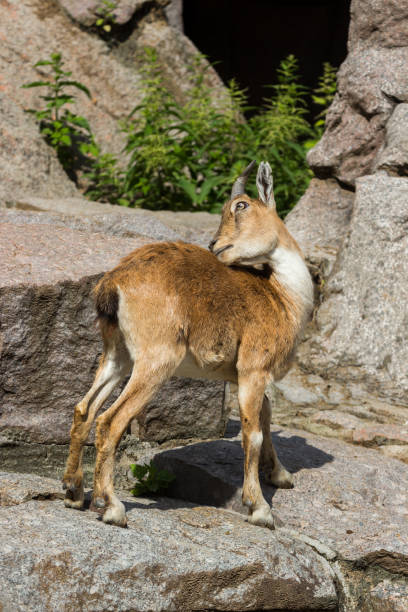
{"x":175,"y":309}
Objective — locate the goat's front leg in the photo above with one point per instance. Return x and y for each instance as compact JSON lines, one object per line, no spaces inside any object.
{"x":250,"y":395}
{"x":274,"y":472}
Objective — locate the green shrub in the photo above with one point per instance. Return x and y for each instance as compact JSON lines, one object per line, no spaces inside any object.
{"x":67,"y":132}
{"x":186,"y":156}
{"x":322,"y":97}
{"x":151,"y":479}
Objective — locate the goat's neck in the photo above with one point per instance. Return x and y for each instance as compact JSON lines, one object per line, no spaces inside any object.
{"x":290,"y":270}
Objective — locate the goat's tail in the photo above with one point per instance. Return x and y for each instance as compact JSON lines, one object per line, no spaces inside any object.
{"x":107,"y":300}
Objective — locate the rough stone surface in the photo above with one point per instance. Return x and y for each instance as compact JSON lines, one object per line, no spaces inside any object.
{"x":18,"y":489}
{"x":170,"y":558}
{"x":26,"y":168}
{"x":362,"y":324}
{"x":183,"y":407}
{"x":174,"y":14}
{"x":78,"y":213}
{"x":353,"y":356}
{"x":393,"y":158}
{"x":49,"y":343}
{"x":30,"y":31}
{"x":387,"y":596}
{"x":88,"y":12}
{"x":378,"y":22}
{"x":351,"y":499}
{"x":319,"y":222}
{"x":370,"y":81}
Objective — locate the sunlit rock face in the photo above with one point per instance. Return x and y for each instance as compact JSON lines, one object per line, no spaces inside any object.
{"x":107,"y":64}
{"x":352,"y":222}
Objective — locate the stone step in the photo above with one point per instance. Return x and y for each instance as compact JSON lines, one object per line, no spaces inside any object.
{"x":352,"y":499}
{"x":172,"y":557}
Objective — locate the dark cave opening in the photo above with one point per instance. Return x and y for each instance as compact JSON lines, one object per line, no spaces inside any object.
{"x":249,"y":38}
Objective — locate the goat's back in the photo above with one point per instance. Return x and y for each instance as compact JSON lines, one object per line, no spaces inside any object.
{"x":183,"y":290}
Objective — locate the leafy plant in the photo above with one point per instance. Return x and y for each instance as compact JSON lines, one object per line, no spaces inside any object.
{"x":324,"y":93}
{"x":185,"y":156}
{"x":151,"y":479}
{"x":281,"y":129}
{"x":322,"y":97}
{"x":69,"y":133}
{"x":106,"y":16}
{"x":106,"y":181}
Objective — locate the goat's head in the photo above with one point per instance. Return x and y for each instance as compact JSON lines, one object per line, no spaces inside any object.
{"x":250,"y":229}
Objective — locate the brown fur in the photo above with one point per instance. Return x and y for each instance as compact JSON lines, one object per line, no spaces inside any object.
{"x":175,"y":308}
{"x":218,"y":308}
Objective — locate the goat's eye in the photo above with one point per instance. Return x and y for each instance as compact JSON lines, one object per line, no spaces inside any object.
{"x":241,"y":205}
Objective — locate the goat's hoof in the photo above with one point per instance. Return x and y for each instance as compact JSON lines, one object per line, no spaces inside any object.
{"x":282,"y":479}
{"x":262,"y":517}
{"x":115,"y":514}
{"x":76,"y":504}
{"x":74,"y":497}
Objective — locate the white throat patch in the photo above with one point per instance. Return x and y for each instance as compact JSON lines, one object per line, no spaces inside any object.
{"x":291,"y":271}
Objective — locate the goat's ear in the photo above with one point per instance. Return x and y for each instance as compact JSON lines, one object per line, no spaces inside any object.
{"x":264,"y":184}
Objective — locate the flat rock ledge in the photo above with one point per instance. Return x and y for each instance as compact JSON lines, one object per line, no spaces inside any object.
{"x":171,"y":557}
{"x":351,"y":499}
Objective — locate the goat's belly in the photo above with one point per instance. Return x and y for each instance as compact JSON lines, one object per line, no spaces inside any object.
{"x":190,"y":369}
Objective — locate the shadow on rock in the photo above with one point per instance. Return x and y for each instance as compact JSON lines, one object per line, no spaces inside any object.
{"x":212,"y":472}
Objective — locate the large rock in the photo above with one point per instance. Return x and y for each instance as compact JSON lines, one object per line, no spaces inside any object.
{"x":31,"y":31}
{"x":352,"y":500}
{"x":78,"y":213}
{"x":87,"y":13}
{"x":183,"y":408}
{"x":393,"y":158}
{"x":49,"y":342}
{"x":171,"y":557}
{"x":378,"y":22}
{"x":362,"y":323}
{"x":370,"y":82}
{"x":27,"y":164}
{"x":319,"y":222}
{"x":353,"y":356}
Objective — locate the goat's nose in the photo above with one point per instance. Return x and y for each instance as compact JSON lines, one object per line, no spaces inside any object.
{"x":211,"y":245}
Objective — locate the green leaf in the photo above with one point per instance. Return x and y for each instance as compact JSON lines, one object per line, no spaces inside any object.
{"x":36,"y":84}
{"x":188,"y":187}
{"x":81,"y":121}
{"x":77,"y":85}
{"x":151,"y":478}
{"x":43,"y":63}
{"x":209,"y":184}
{"x":65,"y":139}
{"x":318,"y":100}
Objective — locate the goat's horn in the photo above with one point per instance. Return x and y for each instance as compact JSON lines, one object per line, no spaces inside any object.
{"x":238,"y":187}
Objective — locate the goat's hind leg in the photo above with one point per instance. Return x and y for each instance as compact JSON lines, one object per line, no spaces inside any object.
{"x":114,"y":366}
{"x":274,"y":472}
{"x":147,"y":376}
